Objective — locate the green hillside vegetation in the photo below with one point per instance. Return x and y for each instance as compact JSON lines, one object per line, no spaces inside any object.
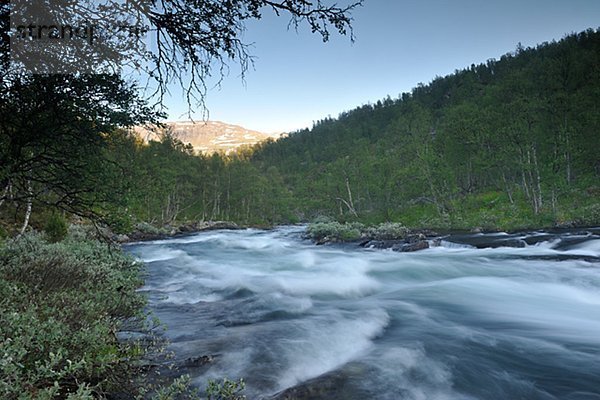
{"x":511,"y":143}
{"x":506,"y":144}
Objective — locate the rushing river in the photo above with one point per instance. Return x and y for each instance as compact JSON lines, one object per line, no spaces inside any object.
{"x":342,"y":322}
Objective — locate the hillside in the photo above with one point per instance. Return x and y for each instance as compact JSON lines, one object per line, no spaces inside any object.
{"x":510,"y":142}
{"x":208,"y":136}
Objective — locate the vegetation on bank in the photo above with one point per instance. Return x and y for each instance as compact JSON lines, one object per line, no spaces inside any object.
{"x":62,"y":303}
{"x":325,"y":230}
{"x":61,"y":307}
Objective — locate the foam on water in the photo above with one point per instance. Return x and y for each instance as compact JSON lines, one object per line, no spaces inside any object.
{"x":160,"y":253}
{"x":450,"y":322}
{"x":328,"y":343}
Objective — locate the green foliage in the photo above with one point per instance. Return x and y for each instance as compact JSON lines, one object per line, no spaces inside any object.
{"x":225,"y":390}
{"x":508,"y":143}
{"x":351,"y":231}
{"x":61,"y":304}
{"x":388,"y":231}
{"x":333,"y":231}
{"x":56,"y":228}
{"x":322,"y":219}
{"x":150,"y":229}
{"x":590,"y":215}
{"x":56,"y":136}
{"x":119,"y":221}
{"x":180,"y":388}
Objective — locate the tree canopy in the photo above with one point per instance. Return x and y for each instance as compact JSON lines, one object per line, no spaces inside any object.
{"x":66,"y":103}
{"x":165,"y":42}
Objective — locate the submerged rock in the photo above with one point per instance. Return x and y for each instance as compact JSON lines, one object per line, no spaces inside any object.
{"x":341,"y":384}
{"x":195,"y":362}
{"x":408,"y":247}
{"x":382,"y":244}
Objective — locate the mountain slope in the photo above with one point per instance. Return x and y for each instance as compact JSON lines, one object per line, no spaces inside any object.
{"x":511,"y":141}
{"x":208,"y":136}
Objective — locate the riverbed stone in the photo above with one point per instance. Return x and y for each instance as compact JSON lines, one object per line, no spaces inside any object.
{"x":409,"y":247}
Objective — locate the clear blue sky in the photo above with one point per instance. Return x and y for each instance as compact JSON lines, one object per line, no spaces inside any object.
{"x":298,"y":79}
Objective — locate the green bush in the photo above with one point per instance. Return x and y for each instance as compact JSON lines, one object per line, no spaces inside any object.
{"x":145,"y":227}
{"x":60,"y":307}
{"x":323,"y":219}
{"x":225,"y":390}
{"x":119,"y":221}
{"x":56,"y":228}
{"x":333,"y":231}
{"x":589,"y":215}
{"x":388,"y":231}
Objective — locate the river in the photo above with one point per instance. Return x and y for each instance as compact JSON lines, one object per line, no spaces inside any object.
{"x":343,"y":322}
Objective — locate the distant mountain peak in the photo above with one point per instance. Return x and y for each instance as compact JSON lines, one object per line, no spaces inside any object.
{"x":208,"y":136}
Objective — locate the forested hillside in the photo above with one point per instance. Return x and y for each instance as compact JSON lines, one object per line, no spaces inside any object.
{"x":512,"y":142}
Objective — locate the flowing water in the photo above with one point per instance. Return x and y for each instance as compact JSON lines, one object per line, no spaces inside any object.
{"x":342,"y":322}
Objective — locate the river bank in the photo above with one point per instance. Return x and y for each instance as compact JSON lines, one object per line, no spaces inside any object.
{"x":393,"y":236}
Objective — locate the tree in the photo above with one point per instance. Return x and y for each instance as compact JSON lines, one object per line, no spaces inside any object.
{"x":171,"y":42}
{"x":54,"y":131}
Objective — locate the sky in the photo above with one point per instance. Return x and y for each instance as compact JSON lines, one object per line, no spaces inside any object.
{"x":298,"y":79}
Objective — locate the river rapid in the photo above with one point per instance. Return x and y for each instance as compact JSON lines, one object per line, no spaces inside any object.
{"x":455,"y":321}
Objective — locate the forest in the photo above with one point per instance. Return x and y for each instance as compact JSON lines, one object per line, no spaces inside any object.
{"x":504,"y":144}
{"x":510,"y":143}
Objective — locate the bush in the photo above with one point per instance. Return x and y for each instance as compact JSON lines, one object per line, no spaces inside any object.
{"x":388,"y":231}
{"x":60,"y":307}
{"x":119,"y":221}
{"x":225,"y":390}
{"x":3,"y":233}
{"x":56,"y":228}
{"x":145,"y":227}
{"x":323,"y":219}
{"x":589,"y":216}
{"x":333,"y":231}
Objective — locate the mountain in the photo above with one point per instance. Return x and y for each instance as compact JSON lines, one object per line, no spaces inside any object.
{"x":208,"y":136}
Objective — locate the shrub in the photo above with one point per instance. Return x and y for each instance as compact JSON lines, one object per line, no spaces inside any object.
{"x":225,"y":390}
{"x":145,"y":227}
{"x":56,"y":228}
{"x":333,"y":231}
{"x":388,"y":231}
{"x":119,"y":221}
{"x":590,"y":215}
{"x":323,"y":219}
{"x":60,"y":306}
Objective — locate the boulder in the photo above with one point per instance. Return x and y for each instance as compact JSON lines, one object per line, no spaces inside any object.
{"x":408,"y":247}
